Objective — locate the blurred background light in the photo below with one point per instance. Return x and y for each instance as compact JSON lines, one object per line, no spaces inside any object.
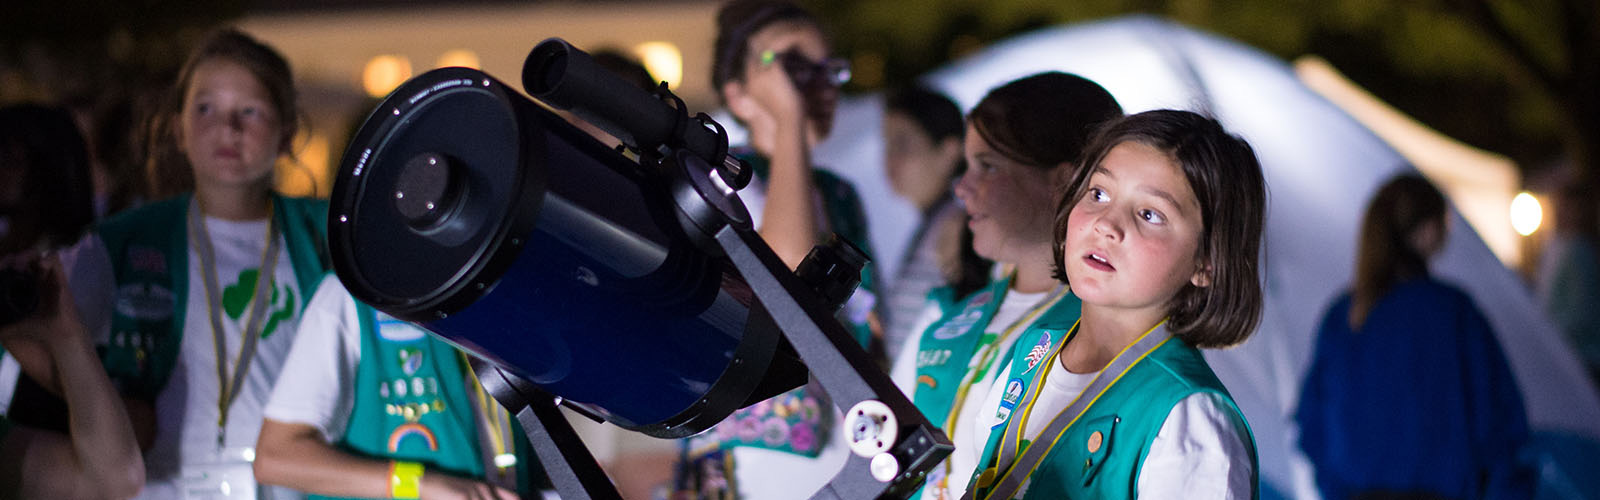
{"x":459,"y":57}
{"x":1526,"y":213}
{"x":383,"y":73}
{"x":663,"y":60}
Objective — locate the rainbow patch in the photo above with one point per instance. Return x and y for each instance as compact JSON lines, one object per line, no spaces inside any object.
{"x":412,"y":429}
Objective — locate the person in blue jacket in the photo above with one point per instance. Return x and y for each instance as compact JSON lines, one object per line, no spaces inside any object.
{"x":1408,"y":392}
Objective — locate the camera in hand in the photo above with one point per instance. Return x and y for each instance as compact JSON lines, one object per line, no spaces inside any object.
{"x":19,"y":294}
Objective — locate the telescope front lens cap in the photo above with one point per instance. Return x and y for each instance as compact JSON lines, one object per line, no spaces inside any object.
{"x":425,"y":190}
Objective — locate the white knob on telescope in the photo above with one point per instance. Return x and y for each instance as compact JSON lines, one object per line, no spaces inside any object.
{"x":871,"y":428}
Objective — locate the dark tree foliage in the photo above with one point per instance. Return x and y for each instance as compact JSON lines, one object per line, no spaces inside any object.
{"x":1519,"y":77}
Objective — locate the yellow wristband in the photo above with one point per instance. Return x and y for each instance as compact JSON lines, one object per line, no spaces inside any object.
{"x":405,"y":479}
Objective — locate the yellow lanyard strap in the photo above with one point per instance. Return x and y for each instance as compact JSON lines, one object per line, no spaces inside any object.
{"x":985,"y":358}
{"x":200,"y":239}
{"x":1016,"y":469}
{"x":497,"y":421}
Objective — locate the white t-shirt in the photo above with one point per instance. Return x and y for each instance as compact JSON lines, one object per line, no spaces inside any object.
{"x":1190,"y":457}
{"x":317,"y":387}
{"x":187,"y":409}
{"x":969,"y":445}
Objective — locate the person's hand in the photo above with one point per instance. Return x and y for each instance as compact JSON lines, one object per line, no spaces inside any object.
{"x":52,"y":330}
{"x":780,"y":105}
{"x":441,"y":486}
{"x":56,"y":314}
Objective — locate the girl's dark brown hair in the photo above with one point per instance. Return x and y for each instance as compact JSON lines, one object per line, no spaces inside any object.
{"x":44,"y":146}
{"x":1043,"y":120}
{"x":1386,"y":255}
{"x":1225,"y":175}
{"x":736,"y":22}
{"x":940,"y":119}
{"x":166,"y":168}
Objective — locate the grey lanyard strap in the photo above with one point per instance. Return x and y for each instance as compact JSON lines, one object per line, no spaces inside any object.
{"x":1015,"y":470}
{"x":200,"y":238}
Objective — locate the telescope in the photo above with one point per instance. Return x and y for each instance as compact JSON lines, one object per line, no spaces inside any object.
{"x":626,"y":284}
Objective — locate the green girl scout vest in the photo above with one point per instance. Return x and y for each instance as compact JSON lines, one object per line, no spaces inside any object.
{"x":945,"y":356}
{"x":956,"y":346}
{"x":1100,"y":454}
{"x":149,"y":251}
{"x":413,"y":402}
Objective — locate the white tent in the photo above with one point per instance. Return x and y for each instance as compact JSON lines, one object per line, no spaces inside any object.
{"x":1321,"y":168}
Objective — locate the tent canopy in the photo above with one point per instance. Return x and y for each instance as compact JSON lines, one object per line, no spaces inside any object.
{"x":1321,"y":167}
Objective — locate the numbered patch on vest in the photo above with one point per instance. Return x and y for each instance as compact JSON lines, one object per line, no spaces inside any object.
{"x":932,"y":357}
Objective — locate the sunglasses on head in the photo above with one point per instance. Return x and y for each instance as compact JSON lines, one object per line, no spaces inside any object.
{"x":833,"y":71}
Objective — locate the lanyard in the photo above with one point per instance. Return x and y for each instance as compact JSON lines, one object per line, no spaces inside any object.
{"x":987,"y":350}
{"x":495,"y":419}
{"x":200,"y":238}
{"x":1008,"y":461}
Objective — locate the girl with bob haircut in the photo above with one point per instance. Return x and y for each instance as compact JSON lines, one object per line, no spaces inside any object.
{"x":1158,"y":234}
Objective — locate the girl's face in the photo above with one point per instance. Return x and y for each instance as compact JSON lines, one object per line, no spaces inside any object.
{"x":228,"y":128}
{"x":919,"y":169}
{"x":1010,"y":203}
{"x":1133,"y":237}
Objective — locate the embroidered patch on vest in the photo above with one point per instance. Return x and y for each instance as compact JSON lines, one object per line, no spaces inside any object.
{"x":410,"y":360}
{"x":1038,"y":353}
{"x":774,"y":432}
{"x":145,"y":302}
{"x":1013,"y":391}
{"x":412,"y":429}
{"x":969,"y":316}
{"x":810,"y":411}
{"x":802,"y":437}
{"x":749,"y":429}
{"x":394,"y":330}
{"x":145,"y":259}
{"x":1008,"y":403}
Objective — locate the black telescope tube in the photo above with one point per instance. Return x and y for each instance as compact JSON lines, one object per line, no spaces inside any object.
{"x":567,"y":78}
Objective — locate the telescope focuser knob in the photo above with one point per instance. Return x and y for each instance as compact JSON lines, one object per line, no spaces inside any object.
{"x":833,"y":270}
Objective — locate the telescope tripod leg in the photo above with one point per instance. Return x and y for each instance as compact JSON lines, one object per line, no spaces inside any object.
{"x":565,"y":459}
